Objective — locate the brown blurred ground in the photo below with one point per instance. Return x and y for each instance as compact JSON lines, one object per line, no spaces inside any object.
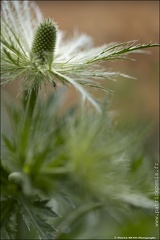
{"x":108,"y":21}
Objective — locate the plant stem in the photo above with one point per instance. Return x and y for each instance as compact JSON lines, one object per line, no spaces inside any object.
{"x":29,"y":101}
{"x":22,"y":231}
{"x":25,"y":96}
{"x":75,"y":215}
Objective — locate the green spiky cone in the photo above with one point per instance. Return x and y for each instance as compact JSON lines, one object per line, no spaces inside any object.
{"x":44,"y":42}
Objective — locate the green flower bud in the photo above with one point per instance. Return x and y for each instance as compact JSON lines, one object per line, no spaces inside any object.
{"x":22,"y":181}
{"x":16,"y":177}
{"x":44,"y":42}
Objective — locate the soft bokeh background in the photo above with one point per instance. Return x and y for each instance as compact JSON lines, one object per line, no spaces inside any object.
{"x":117,"y":21}
{"x":137,"y":100}
{"x":112,"y":21}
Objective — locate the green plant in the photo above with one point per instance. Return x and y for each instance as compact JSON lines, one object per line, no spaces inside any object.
{"x":65,"y":173}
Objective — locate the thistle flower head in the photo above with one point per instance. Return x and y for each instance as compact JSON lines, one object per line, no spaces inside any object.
{"x":43,"y":45}
{"x":35,"y":51}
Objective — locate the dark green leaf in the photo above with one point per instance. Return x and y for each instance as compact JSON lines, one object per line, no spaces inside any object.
{"x":43,"y":210}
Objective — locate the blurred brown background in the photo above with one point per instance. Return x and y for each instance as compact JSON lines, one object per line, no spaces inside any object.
{"x":118,"y":21}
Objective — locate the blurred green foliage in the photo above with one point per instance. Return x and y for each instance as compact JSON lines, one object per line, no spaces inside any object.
{"x":74,"y":174}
